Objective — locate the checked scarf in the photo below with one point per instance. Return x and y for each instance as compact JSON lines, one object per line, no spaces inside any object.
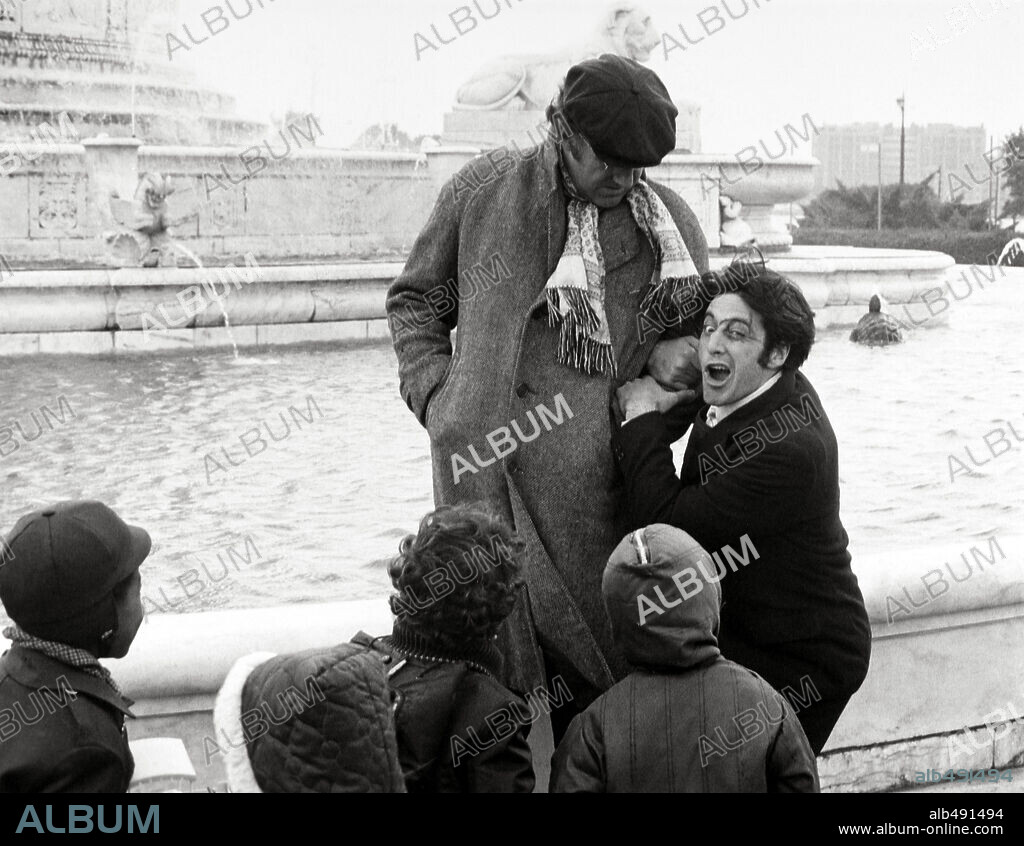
{"x":72,"y":655}
{"x":575,"y":291}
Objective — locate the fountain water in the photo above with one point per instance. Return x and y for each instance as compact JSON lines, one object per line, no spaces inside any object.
{"x":219,"y":299}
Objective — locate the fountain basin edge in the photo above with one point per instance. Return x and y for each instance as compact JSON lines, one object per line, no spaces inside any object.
{"x":137,"y":309}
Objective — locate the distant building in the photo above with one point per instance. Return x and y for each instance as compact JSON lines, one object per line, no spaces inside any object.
{"x":842,"y":151}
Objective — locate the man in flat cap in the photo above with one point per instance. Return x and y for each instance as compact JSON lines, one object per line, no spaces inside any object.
{"x":551,"y":264}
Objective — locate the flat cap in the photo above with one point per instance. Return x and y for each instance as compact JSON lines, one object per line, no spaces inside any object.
{"x":60,"y":567}
{"x":622,"y":109}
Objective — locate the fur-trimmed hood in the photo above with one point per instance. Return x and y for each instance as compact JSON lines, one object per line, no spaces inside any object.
{"x":318,"y":721}
{"x":227,"y":723}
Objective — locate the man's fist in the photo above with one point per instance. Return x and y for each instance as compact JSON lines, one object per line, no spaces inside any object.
{"x":642,"y":395}
{"x":675,"y":363}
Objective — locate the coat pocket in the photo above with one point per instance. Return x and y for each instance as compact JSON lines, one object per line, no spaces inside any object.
{"x":436,"y":403}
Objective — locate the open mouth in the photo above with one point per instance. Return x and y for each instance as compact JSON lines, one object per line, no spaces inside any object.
{"x":716,"y":374}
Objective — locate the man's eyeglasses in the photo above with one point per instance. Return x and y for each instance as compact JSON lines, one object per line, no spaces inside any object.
{"x":735,"y":330}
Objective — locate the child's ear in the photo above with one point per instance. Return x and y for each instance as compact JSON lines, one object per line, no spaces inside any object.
{"x":105,"y":640}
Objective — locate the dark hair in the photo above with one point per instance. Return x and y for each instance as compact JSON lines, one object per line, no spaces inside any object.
{"x":781,"y":305}
{"x":480,"y":559}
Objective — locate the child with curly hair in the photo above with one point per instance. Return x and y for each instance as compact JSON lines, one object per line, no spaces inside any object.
{"x":459,"y":729}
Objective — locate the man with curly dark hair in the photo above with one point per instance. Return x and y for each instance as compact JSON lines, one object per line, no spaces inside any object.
{"x":459,"y":729}
{"x":761,"y":470}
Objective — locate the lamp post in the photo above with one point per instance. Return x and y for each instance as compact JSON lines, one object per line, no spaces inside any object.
{"x":880,"y":183}
{"x":876,"y":148}
{"x":903,"y":136}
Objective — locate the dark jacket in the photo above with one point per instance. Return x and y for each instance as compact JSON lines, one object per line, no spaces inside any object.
{"x":459,"y":729}
{"x":686,"y":720}
{"x":61,"y":730}
{"x":770,"y":472}
{"x":481,"y":263}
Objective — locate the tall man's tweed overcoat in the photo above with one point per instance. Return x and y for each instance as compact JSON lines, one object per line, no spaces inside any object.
{"x":494,"y":237}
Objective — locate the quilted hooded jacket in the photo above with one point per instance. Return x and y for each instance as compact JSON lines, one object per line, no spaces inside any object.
{"x":317,"y":721}
{"x":686,"y":720}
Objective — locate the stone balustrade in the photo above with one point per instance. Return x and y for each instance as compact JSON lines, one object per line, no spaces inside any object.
{"x":293,"y":201}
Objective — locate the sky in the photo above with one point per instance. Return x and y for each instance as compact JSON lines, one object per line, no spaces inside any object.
{"x":355,"y":62}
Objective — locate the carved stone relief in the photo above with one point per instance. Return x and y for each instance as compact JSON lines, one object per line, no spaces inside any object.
{"x":58,"y":207}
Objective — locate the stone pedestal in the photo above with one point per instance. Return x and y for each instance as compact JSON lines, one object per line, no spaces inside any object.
{"x":783,"y":181}
{"x":687,"y":126}
{"x":759,"y":185}
{"x":683,"y":175}
{"x":488,"y":129}
{"x":112,"y":167}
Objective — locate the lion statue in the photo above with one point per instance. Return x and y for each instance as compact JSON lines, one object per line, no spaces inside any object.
{"x":531,"y":81}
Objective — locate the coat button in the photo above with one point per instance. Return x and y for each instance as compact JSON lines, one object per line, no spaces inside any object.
{"x":522,"y":389}
{"x":511,"y":465}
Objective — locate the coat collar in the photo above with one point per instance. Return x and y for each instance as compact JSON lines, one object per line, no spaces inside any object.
{"x":36,"y":670}
{"x":481,"y":654}
{"x":552,"y":186}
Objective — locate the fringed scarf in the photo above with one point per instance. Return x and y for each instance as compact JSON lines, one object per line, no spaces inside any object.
{"x":575,"y":291}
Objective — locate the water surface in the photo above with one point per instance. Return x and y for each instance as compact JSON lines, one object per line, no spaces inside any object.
{"x":326,"y":505}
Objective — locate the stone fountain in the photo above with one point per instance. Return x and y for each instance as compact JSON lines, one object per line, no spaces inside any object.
{"x":105,"y":65}
{"x":94,"y":113}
